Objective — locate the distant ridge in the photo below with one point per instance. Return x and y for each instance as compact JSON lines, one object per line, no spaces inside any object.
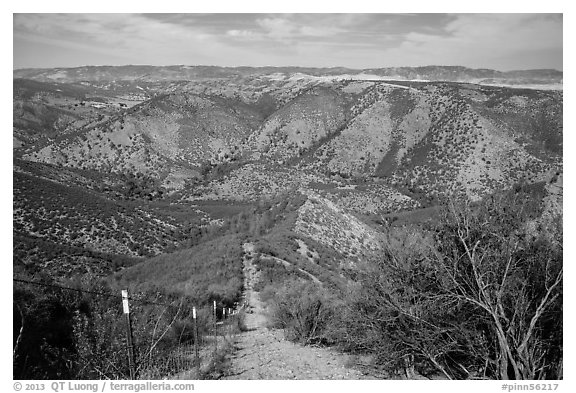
{"x":183,"y":72}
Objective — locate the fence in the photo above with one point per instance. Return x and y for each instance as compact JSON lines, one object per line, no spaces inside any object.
{"x":62,"y":332}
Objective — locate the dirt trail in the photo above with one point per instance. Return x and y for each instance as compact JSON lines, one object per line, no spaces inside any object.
{"x":265,"y":354}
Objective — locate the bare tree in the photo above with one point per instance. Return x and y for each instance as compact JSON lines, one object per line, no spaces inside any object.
{"x":514,"y":281}
{"x":479,"y":296}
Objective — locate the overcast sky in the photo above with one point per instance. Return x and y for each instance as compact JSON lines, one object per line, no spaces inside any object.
{"x":498,"y":41}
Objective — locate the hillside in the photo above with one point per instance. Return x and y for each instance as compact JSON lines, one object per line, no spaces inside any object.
{"x":69,"y":215}
{"x":314,"y":115}
{"x":137,"y":167}
{"x":208,"y":271}
{"x":133,"y":181}
{"x":417,"y":136}
{"x":69,"y":221}
{"x":432,"y":134}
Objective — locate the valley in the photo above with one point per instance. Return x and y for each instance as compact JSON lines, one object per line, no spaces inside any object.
{"x":349,"y":185}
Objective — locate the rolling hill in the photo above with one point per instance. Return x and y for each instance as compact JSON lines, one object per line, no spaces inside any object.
{"x":136,"y":161}
{"x":345,"y":201}
{"x":183,"y":72}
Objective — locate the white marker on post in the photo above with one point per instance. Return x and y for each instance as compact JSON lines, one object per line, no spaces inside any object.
{"x":194,"y":312}
{"x":125,"y":301}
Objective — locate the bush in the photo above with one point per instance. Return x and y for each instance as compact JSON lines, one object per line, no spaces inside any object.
{"x":63,"y":334}
{"x":305,"y":311}
{"x":485,"y":301}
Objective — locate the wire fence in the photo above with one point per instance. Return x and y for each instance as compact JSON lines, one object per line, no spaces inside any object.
{"x":104,"y":335}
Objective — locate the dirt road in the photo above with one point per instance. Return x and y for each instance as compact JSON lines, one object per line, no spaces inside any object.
{"x":265,"y":354}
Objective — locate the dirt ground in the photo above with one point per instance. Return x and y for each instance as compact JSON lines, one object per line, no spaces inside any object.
{"x":261,"y":353}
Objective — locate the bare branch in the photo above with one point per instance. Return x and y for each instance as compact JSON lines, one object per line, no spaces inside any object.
{"x":165,"y":331}
{"x":546,"y":300}
{"x":15,"y":350}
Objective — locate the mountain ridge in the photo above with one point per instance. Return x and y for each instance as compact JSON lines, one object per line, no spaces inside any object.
{"x":183,"y":72}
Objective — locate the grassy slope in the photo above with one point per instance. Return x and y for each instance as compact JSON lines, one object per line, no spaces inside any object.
{"x":58,"y":213}
{"x":209,"y":271}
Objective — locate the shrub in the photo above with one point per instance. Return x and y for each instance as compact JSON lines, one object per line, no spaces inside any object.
{"x":305,"y":311}
{"x":63,"y":334}
{"x":484,"y":301}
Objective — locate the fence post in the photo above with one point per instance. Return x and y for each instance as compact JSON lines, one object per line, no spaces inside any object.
{"x":196,"y":357}
{"x":130,"y":340}
{"x":224,"y":324}
{"x":215,"y":330}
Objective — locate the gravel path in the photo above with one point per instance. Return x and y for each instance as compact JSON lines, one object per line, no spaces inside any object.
{"x":265,"y":354}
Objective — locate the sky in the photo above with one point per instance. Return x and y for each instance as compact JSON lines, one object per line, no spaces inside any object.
{"x":355,"y":40}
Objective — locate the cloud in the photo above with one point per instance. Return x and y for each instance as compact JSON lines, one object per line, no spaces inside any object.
{"x":320,"y":31}
{"x":278,"y":28}
{"x":484,"y":40}
{"x":125,"y":35}
{"x":499,"y":41}
{"x":247,"y":34}
{"x":286,"y":29}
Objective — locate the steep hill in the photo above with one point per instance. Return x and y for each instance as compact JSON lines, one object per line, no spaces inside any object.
{"x":298,"y":125}
{"x":72,"y":215}
{"x":208,"y":271}
{"x":70,"y":221}
{"x":433,"y":139}
{"x":446,"y":138}
{"x":45,"y":110}
{"x":167,"y":135}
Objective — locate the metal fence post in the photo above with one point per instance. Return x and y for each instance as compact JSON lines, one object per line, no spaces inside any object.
{"x":130,"y":340}
{"x":196,"y":357}
{"x":215,"y":330}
